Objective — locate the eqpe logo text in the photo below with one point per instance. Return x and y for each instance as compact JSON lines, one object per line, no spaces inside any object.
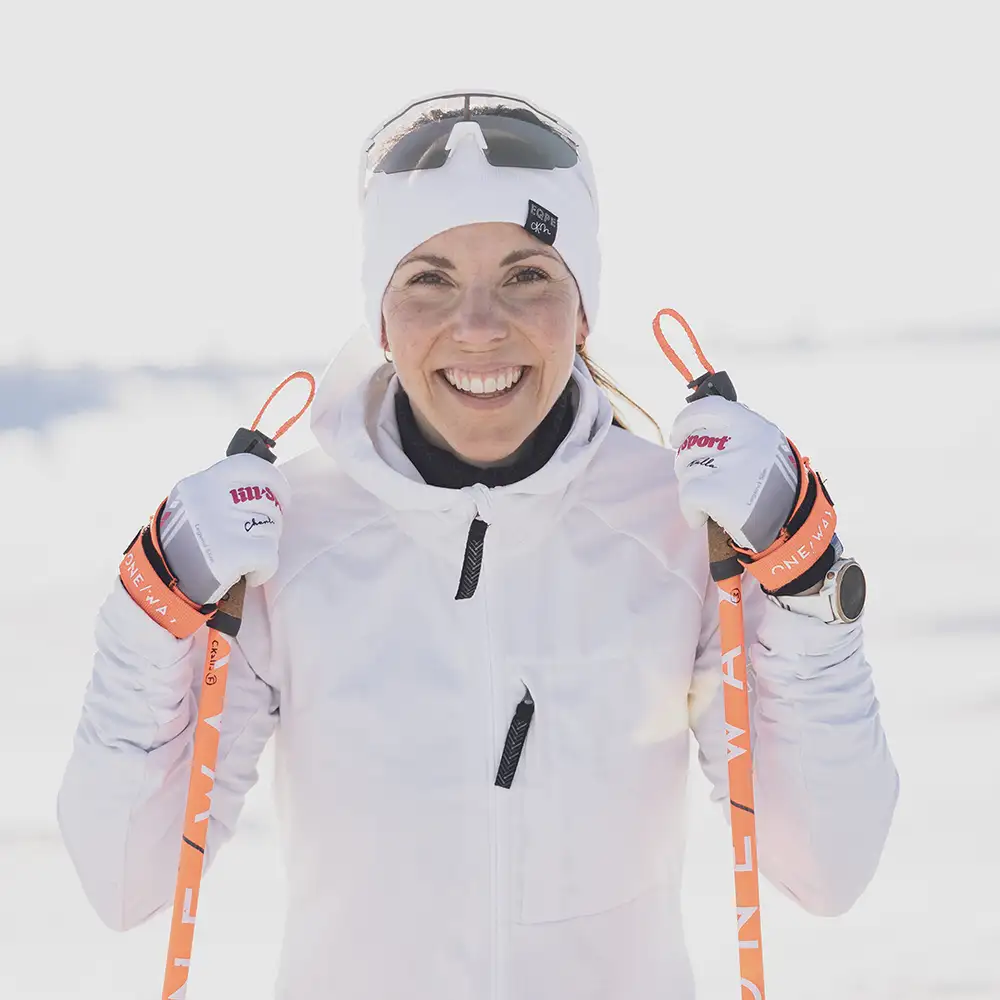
{"x":541,"y":221}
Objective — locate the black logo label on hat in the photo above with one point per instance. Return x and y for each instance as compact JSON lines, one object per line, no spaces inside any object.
{"x":541,"y":223}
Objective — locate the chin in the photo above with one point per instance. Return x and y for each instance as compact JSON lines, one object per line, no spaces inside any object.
{"x":494,"y":451}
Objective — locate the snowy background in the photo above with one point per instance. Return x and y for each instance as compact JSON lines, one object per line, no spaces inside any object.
{"x":816,"y":193}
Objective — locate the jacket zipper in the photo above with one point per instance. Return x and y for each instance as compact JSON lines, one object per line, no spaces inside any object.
{"x":472,"y":569}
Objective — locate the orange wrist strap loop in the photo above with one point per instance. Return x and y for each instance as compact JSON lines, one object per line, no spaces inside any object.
{"x":795,"y":551}
{"x":145,"y":575}
{"x":671,"y":354}
{"x":306,"y":377}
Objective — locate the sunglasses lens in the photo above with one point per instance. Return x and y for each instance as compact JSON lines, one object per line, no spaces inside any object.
{"x":422,"y":149}
{"x":511,"y":142}
{"x":515,"y":135}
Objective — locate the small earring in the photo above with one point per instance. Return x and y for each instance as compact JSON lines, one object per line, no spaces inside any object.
{"x":387,"y":354}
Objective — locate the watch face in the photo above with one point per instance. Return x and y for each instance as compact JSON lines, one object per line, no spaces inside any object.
{"x":851,"y":592}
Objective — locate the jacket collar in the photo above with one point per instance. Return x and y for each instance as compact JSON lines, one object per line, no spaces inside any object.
{"x":354,"y":421}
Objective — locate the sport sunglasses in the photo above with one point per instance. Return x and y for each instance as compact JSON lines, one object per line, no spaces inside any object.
{"x":513,"y":134}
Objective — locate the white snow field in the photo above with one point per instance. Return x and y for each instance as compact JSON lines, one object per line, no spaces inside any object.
{"x":904,"y":432}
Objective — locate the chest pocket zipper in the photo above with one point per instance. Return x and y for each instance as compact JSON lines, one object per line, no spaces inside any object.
{"x":473,"y":561}
{"x":514,"y":743}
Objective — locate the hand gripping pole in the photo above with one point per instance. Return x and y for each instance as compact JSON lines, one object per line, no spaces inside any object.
{"x":727,"y":570}
{"x":223,"y":625}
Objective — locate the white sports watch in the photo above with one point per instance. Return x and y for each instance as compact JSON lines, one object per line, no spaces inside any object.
{"x":840,"y":599}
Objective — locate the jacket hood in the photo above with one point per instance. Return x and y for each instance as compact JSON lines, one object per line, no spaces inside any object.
{"x":354,"y":422}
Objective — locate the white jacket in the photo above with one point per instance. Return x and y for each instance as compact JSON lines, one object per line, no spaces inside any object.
{"x":411,"y":873}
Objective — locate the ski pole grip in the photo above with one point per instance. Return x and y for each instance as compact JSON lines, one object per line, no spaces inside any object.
{"x":228,"y":618}
{"x":712,"y":384}
{"x":722,"y":559}
{"x":248,"y":442}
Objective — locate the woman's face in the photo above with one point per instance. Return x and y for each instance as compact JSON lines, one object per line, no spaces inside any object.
{"x":482,"y":322}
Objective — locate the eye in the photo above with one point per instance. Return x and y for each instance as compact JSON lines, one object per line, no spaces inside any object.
{"x":427,"y":278}
{"x":528,"y":276}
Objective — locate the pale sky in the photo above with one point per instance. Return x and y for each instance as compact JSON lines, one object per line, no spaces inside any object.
{"x":177,"y":182}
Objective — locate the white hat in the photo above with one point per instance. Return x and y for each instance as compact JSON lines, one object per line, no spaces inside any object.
{"x":401,"y":210}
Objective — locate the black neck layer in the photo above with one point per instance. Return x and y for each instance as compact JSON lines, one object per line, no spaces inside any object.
{"x":439,"y":467}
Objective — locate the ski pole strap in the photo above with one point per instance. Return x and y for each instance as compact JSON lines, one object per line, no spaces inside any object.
{"x":147,"y":578}
{"x":673,"y":356}
{"x":803,"y":550}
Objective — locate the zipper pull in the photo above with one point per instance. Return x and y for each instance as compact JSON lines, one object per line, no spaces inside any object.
{"x":472,"y":563}
{"x":514,"y":743}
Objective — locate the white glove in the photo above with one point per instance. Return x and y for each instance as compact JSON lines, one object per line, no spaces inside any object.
{"x":734,"y":467}
{"x":222,"y":524}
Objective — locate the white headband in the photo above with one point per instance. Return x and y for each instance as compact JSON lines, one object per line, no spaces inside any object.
{"x":400,"y":211}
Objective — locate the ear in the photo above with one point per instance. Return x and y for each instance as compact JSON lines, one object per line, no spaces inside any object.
{"x":383,"y":339}
{"x":582,"y":327}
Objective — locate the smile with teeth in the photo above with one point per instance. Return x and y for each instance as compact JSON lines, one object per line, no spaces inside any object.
{"x":484,"y":383}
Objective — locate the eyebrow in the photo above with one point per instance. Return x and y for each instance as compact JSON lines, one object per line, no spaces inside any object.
{"x":512,"y":258}
{"x":429,"y":258}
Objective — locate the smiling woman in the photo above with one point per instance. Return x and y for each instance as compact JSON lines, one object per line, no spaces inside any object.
{"x":490,"y":308}
{"x":482,"y":616}
{"x":528,"y":305}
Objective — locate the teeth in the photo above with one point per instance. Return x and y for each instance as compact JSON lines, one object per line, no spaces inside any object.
{"x":483,"y":385}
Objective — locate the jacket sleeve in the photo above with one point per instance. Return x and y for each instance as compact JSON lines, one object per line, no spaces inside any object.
{"x":825,"y":786}
{"x":121,"y":803}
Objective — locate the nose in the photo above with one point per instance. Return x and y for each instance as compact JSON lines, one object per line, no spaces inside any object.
{"x":479,"y":323}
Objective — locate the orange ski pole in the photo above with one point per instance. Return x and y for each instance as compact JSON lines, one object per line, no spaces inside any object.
{"x":223,"y":626}
{"x":199,"y":802}
{"x":727,"y":571}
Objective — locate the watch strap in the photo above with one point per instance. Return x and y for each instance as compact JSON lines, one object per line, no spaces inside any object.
{"x":826,"y":604}
{"x":814,"y":605}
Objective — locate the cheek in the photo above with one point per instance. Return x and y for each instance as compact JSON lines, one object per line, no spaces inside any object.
{"x":411,"y":325}
{"x":553,"y":302}
{"x":549,"y":320}
{"x":416,"y":308}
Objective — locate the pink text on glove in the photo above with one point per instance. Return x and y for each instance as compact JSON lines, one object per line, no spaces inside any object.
{"x":247,"y":494}
{"x":704,"y":441}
